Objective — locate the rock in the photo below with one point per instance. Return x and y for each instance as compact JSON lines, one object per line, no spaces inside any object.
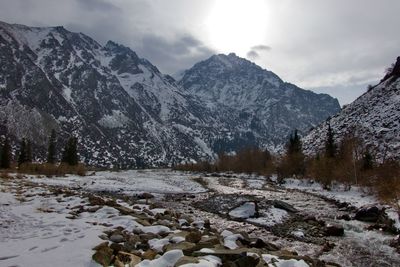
{"x":118,"y":263}
{"x":186,"y":247}
{"x":207,"y":224}
{"x":284,"y":206}
{"x":116,"y":247}
{"x":143,"y":246}
{"x":369,"y":213}
{"x":129,"y":258}
{"x":145,"y":196}
{"x":95,"y":200}
{"x":117,"y":238}
{"x":101,"y":245}
{"x":334,"y":230}
{"x":104,"y":256}
{"x":247,"y":261}
{"x":130,"y":244}
{"x":149,"y":254}
{"x":328,"y":246}
{"x":143,"y":222}
{"x":186,"y":260}
{"x":259,"y":243}
{"x":193,"y":237}
{"x":345,"y":217}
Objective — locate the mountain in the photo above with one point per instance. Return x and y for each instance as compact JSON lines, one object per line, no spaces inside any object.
{"x":374,"y":117}
{"x":126,"y":113}
{"x":256,"y":99}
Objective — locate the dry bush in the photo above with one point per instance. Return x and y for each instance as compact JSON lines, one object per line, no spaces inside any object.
{"x":386,"y":182}
{"x":52,"y":169}
{"x":251,"y":160}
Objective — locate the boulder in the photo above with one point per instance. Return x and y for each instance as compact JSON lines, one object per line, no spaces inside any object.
{"x":186,"y":260}
{"x":246,"y":261}
{"x":193,"y":237}
{"x":186,"y":247}
{"x":117,"y":238}
{"x":149,"y":254}
{"x":369,"y":213}
{"x":103,"y":256}
{"x":334,"y":230}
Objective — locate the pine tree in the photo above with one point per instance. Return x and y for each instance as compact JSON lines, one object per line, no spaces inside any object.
{"x":294,"y":146}
{"x":5,"y":162}
{"x":368,"y":161}
{"x":28,"y":151}
{"x":51,"y":151}
{"x":330,"y":146}
{"x":22,"y":155}
{"x":70,"y":153}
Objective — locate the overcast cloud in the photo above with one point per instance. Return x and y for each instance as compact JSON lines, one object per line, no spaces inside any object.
{"x":333,"y":46}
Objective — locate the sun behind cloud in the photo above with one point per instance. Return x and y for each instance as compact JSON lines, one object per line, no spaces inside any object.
{"x":238,"y":25}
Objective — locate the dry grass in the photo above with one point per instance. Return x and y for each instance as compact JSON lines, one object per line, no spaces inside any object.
{"x":52,"y":169}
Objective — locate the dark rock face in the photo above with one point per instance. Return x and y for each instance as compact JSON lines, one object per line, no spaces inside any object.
{"x":334,"y":230}
{"x":257,"y":101}
{"x":126,"y":113}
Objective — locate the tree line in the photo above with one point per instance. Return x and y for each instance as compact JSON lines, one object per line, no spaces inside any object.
{"x":24,"y":153}
{"x":346,"y":161}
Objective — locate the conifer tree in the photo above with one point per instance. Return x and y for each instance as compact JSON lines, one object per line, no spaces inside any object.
{"x":367,"y":162}
{"x":330,"y":146}
{"x":22,"y":155}
{"x":70,"y":153}
{"x":5,"y":161}
{"x":29,"y":151}
{"x":51,"y":151}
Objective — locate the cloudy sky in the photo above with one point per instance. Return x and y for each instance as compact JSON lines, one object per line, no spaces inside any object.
{"x":332,"y":46}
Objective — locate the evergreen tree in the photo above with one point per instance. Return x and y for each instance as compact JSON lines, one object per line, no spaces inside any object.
{"x":51,"y":151}
{"x":22,"y":155}
{"x":368,"y":161}
{"x":29,"y":151}
{"x":330,"y":146}
{"x":294,"y":146}
{"x":70,"y":153}
{"x":5,"y":162}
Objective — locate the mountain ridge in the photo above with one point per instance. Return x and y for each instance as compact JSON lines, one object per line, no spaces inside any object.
{"x":124,"y":110}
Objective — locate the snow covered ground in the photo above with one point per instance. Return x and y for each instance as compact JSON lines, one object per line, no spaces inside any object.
{"x":129,"y":182}
{"x":38,"y":227}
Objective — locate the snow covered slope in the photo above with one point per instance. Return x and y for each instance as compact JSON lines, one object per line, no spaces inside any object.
{"x":256,"y":99}
{"x":374,"y":117}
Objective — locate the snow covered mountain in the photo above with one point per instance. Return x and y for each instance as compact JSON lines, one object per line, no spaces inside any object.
{"x":122,"y":108}
{"x":127,"y":113}
{"x":256,"y":99}
{"x":374,"y":117}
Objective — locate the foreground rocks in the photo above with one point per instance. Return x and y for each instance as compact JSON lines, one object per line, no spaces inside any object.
{"x":164,"y":235}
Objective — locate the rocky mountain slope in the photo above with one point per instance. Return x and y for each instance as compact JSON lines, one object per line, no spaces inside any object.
{"x":127,"y":113}
{"x":374,"y":117}
{"x":255,"y":98}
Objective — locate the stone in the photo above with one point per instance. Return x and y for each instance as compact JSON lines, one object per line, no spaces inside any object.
{"x":334,"y":230}
{"x":259,"y":243}
{"x":101,"y":245}
{"x":118,"y":263}
{"x":193,"y":237}
{"x":116,"y":247}
{"x":186,"y":260}
{"x":95,"y":200}
{"x":117,"y":238}
{"x":103,"y":256}
{"x":130,"y":244}
{"x":279,"y":204}
{"x":129,"y":258}
{"x":145,"y":196}
{"x":186,"y":247}
{"x":149,"y":254}
{"x":247,"y":261}
{"x":142,"y":222}
{"x":369,"y":213}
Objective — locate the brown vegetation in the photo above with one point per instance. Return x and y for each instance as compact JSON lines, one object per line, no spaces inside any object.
{"x":48,"y":169}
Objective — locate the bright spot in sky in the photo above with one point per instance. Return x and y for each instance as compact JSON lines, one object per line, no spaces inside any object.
{"x":237,"y":25}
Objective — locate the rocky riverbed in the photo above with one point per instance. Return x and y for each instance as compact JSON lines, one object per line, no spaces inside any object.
{"x":229,"y":220}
